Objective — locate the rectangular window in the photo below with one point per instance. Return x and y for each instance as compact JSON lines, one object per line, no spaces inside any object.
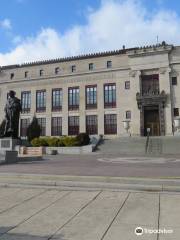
{"x":128,"y":114}
{"x":150,"y":84}
{"x":176,"y":112}
{"x":110,"y":95}
{"x":109,"y":64}
{"x":73,"y":98}
{"x":56,"y":99}
{"x":91,"y":66}
{"x":42,"y":123}
{"x":24,"y":125}
{"x":127,"y":84}
{"x":91,"y":124}
{"x":26,"y":74}
{"x":91,"y":97}
{"x":73,"y":68}
{"x":110,"y":124}
{"x":41,"y":72}
{"x":174,"y":80}
{"x":73,"y":125}
{"x":26,"y":101}
{"x":56,"y":126}
{"x":40,"y":100}
{"x":12,"y":75}
{"x":57,"y":70}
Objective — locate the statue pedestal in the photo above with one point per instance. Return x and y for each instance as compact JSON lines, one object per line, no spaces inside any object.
{"x":8,"y":144}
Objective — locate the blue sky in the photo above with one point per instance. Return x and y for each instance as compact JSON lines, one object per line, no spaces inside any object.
{"x":43,"y":29}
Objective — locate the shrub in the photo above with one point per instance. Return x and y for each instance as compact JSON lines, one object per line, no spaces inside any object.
{"x":53,"y":142}
{"x":83,"y":139}
{"x":60,"y":142}
{"x":33,"y":130}
{"x":39,"y":142}
{"x":70,"y":141}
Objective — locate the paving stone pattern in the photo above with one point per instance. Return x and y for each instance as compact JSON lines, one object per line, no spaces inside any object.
{"x":42,"y":214}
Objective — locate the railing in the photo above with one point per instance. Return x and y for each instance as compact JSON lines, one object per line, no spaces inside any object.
{"x":147,"y":142}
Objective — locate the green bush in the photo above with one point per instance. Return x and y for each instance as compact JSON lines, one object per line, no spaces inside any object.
{"x":60,"y":142}
{"x":53,"y":142}
{"x":83,"y":139}
{"x":33,"y":130}
{"x":70,"y":141}
{"x":80,"y":140}
{"x":39,"y":142}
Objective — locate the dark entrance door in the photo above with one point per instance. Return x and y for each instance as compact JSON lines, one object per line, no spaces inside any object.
{"x":151,"y":120}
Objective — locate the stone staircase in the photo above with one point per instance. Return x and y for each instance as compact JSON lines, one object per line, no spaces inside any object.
{"x":168,"y":145}
{"x":123,"y":145}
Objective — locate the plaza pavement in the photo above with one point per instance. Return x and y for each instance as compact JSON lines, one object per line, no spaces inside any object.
{"x":45,"y":213}
{"x":89,"y":198}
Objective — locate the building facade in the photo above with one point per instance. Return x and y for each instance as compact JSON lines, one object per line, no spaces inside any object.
{"x":95,"y":93}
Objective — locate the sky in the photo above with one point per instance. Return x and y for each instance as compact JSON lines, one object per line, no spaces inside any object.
{"x":32,"y":30}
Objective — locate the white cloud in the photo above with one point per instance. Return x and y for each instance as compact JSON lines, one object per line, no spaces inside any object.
{"x":114,"y":24}
{"x":6,"y":24}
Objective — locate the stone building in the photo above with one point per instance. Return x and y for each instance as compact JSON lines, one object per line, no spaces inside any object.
{"x":95,"y":93}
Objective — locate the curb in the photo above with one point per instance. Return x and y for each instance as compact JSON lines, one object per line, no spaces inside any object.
{"x":89,"y":183}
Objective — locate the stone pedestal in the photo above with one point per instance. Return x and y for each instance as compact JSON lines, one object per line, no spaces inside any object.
{"x":8,"y":144}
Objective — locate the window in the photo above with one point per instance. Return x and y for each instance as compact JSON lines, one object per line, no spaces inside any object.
{"x":128,"y":114}
{"x":176,"y":112}
{"x":41,"y":72}
{"x":110,"y":124}
{"x":91,"y":124}
{"x":73,"y":68}
{"x":91,"y":97}
{"x":12,"y":75}
{"x":150,"y":84}
{"x":56,"y":126}
{"x":109,"y":64}
{"x":174,"y":80}
{"x":26,"y":74}
{"x":57,"y":99}
{"x":41,"y":101}
{"x":127,"y":84}
{"x":91,"y":66}
{"x":73,"y":98}
{"x":57,"y":70}
{"x":110,"y":95}
{"x":73,"y":125}
{"x":26,"y":101}
{"x":24,"y":125}
{"x":42,"y":123}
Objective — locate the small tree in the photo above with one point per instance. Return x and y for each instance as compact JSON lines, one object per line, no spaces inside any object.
{"x":2,"y":127}
{"x":33,"y":130}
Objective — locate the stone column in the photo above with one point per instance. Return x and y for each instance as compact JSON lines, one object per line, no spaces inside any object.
{"x":82,"y":102}
{"x":164,"y":84}
{"x":135,"y":115}
{"x":48,"y":111}
{"x":65,"y":111}
{"x":100,"y":107}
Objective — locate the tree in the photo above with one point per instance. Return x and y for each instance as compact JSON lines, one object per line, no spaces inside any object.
{"x":33,"y":130}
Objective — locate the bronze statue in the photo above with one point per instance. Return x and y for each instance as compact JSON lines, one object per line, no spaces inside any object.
{"x":12,"y":112}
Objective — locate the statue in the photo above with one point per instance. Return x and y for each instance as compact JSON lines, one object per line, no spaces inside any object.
{"x":12,"y":112}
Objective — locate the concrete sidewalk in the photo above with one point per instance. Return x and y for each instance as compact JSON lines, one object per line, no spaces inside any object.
{"x":44,"y":214}
{"x":90,"y":182}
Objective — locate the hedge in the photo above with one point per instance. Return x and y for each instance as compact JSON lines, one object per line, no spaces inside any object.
{"x":67,"y":141}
